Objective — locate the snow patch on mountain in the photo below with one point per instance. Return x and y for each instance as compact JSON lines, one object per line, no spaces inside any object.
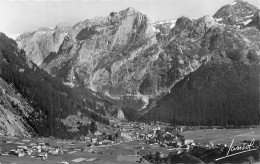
{"x":167,"y":23}
{"x":247,"y":21}
{"x":70,"y":84}
{"x":233,"y":3}
{"x":13,"y":36}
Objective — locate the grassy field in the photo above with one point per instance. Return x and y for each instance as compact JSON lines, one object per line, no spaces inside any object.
{"x":223,"y":136}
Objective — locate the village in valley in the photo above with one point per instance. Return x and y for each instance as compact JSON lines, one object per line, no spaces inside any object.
{"x":131,"y":142}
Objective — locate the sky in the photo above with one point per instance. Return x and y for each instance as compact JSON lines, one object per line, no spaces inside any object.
{"x":18,"y":16}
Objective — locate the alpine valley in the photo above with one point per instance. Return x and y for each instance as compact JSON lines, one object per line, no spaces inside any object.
{"x":203,"y":71}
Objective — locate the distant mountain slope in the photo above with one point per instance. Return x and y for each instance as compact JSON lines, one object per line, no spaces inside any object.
{"x":223,"y":91}
{"x":238,"y":14}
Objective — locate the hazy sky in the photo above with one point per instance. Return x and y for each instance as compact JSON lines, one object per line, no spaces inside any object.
{"x":18,"y":16}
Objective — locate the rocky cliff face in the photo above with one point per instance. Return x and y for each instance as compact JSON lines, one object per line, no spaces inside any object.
{"x":122,"y":56}
{"x":13,"y":112}
{"x":39,"y":44}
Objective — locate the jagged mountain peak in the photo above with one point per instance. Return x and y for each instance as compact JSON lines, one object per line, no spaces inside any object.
{"x":238,"y":13}
{"x":183,"y":22}
{"x":130,"y":9}
{"x":126,"y":12}
{"x":2,"y":34}
{"x":206,"y":21}
{"x":240,"y":5}
{"x":194,"y":28}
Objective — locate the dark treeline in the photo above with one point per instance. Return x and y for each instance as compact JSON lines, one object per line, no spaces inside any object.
{"x":63,"y":132}
{"x":48,"y":96}
{"x":216,"y":94}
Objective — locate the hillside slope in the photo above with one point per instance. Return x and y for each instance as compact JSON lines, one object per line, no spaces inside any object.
{"x":48,"y":99}
{"x":14,"y":112}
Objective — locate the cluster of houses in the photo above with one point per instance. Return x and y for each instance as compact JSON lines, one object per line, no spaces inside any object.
{"x":38,"y":150}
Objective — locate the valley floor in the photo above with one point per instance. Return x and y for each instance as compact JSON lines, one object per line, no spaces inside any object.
{"x":119,"y":153}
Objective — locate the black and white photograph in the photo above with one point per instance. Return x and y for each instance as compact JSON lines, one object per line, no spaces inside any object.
{"x":129,"y":81}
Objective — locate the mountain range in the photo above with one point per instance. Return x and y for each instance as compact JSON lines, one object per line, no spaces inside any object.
{"x":201,"y":71}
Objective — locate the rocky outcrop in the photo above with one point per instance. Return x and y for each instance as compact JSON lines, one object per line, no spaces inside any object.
{"x":39,"y":44}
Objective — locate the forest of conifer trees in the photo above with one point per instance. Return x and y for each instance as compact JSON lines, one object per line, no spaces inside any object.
{"x":48,"y":96}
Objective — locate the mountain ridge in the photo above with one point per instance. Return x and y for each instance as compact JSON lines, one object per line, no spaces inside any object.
{"x":129,"y":60}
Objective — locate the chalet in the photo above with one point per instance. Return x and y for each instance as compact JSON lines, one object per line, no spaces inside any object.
{"x":149,"y":135}
{"x":29,"y":151}
{"x":179,"y":143}
{"x":9,"y":142}
{"x":36,"y":147}
{"x":33,"y":144}
{"x":41,"y":144}
{"x":88,"y":139}
{"x":164,"y":158}
{"x":18,"y":153}
{"x":43,"y":156}
{"x":12,"y":152}
{"x":98,"y":133}
{"x":54,"y":151}
{"x":94,"y":140}
{"x":22,"y":148}
{"x":127,"y":127}
{"x":106,"y":142}
{"x":188,"y":141}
